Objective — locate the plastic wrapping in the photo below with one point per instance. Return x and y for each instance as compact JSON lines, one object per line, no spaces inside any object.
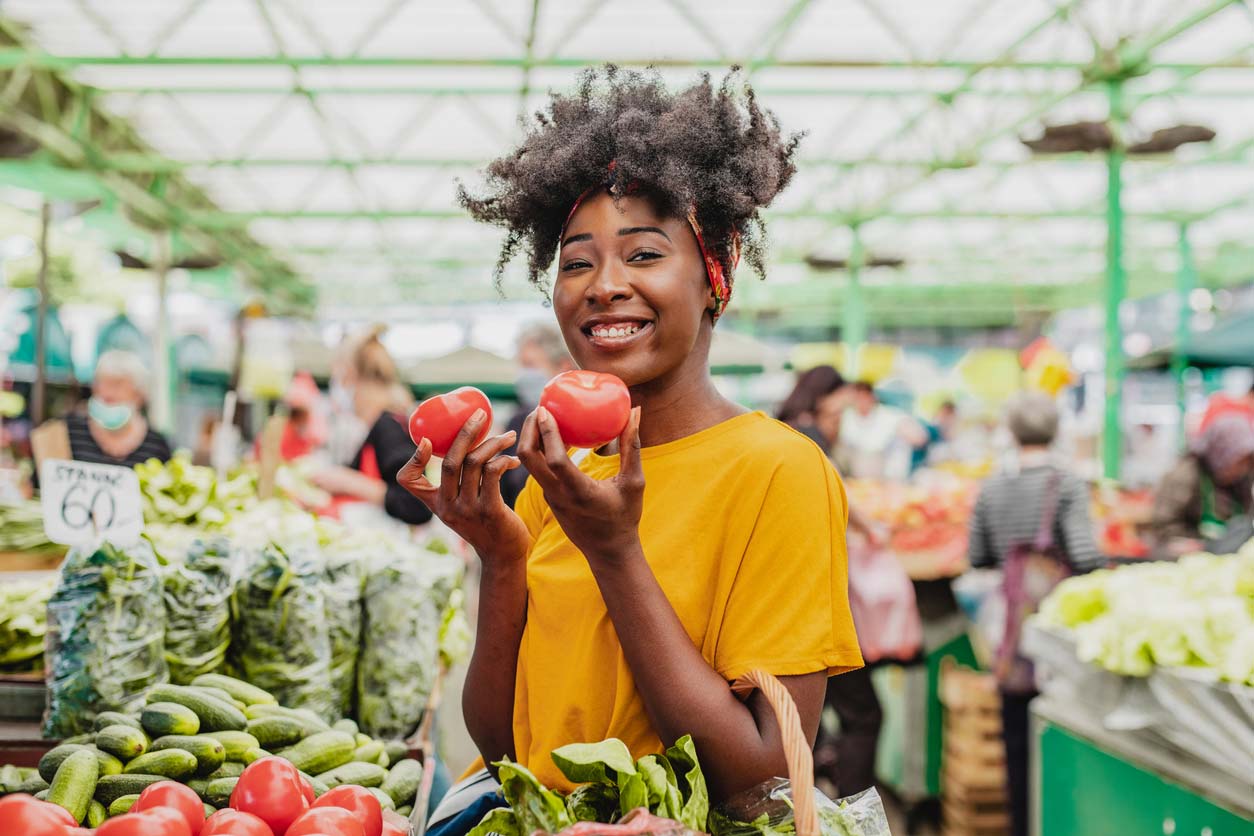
{"x":639,"y":822}
{"x":406,"y":595}
{"x":344,"y":576}
{"x":766,"y":810}
{"x":106,"y":627}
{"x":280,"y":640}
{"x":197,"y":592}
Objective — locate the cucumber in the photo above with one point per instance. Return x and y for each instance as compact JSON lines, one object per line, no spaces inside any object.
{"x":112,"y":787}
{"x":313,"y":723}
{"x":403,"y":780}
{"x":80,"y":739}
{"x":396,"y":749}
{"x":33,"y":785}
{"x":219,"y":792}
{"x":123,"y":742}
{"x":75,"y":783}
{"x":321,"y":752}
{"x":54,"y":757}
{"x":200,"y":786}
{"x":218,"y":693}
{"x":214,"y":714}
{"x":320,"y":789}
{"x":229,"y":769}
{"x":362,"y":739}
{"x":162,"y":718}
{"x":383,"y":760}
{"x":115,"y":718}
{"x":209,"y":811}
{"x":109,"y":765}
{"x":370,"y":752}
{"x":235,"y":742}
{"x":172,"y":763}
{"x":253,"y":754}
{"x":10,"y":776}
{"x":42,"y":795}
{"x":245,"y":692}
{"x":276,"y":732}
{"x":96,"y":813}
{"x":123,"y":804}
{"x":385,"y":800}
{"x":405,"y":811}
{"x":358,"y":774}
{"x":209,"y":753}
{"x":346,"y":725}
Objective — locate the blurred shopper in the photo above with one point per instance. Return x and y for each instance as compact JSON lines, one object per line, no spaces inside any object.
{"x":1207,"y":488}
{"x":541,"y":355}
{"x":877,"y":439}
{"x":381,"y":402}
{"x":1222,"y":404}
{"x":800,"y":409}
{"x":1034,"y":524}
{"x":114,"y":430}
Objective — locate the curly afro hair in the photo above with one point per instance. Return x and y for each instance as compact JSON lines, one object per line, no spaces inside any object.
{"x":714,"y":149}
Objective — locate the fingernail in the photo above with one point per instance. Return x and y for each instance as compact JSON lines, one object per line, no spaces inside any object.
{"x":478,"y":416}
{"x":542,"y":414}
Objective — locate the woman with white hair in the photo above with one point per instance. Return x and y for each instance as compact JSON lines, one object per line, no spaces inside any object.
{"x":114,"y":431}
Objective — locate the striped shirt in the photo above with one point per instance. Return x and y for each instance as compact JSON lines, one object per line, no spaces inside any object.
{"x":1010,"y":508}
{"x":83,"y":448}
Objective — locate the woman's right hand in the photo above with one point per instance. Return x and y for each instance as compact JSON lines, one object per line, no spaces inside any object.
{"x":468,"y":498}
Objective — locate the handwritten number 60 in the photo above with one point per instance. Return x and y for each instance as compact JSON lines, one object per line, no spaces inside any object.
{"x":78,"y":514}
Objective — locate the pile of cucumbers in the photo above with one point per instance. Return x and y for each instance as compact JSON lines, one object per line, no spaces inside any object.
{"x":203,"y":735}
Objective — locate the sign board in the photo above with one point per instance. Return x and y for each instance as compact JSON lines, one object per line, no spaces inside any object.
{"x":84,"y":503}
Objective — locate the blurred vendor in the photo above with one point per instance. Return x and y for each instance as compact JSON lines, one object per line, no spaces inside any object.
{"x":1208,"y":486}
{"x":381,"y":402}
{"x":114,"y":430}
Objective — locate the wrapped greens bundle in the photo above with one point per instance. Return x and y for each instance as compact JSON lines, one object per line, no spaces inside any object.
{"x":197,"y":593}
{"x":23,"y":623}
{"x":105,"y":636}
{"x":280,"y":641}
{"x":344,"y":575}
{"x":407,"y":593}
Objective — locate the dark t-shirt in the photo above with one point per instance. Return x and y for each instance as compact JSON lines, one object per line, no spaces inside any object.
{"x":84,"y":448}
{"x":393,"y":448}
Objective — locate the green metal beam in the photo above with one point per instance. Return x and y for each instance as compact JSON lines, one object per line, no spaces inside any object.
{"x":853,"y":311}
{"x":1116,"y":287}
{"x":1186,"y":281}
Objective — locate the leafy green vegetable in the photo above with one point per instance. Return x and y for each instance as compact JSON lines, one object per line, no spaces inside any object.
{"x":22,"y":529}
{"x":106,"y":625}
{"x":343,"y":585}
{"x":535,"y":807}
{"x":23,"y":623}
{"x":197,"y":593}
{"x":602,"y":762}
{"x":691,"y":781}
{"x":499,"y":821}
{"x":593,"y":802}
{"x":659,"y":781}
{"x":178,"y":491}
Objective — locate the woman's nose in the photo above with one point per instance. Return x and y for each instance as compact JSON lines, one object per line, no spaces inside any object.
{"x":608,"y":284}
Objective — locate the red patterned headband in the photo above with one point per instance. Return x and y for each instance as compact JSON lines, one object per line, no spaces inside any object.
{"x":720,"y":279}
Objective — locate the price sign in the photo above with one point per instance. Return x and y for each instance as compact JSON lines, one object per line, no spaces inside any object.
{"x":83,"y":503}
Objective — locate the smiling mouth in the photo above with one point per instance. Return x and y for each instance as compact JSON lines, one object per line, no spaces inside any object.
{"x":616,"y":334}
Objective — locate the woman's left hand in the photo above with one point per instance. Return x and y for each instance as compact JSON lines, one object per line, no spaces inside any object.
{"x":601,"y":517}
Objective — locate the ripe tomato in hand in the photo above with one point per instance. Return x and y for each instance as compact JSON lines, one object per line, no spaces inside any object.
{"x":235,"y":823}
{"x":29,"y":816}
{"x":360,"y":802}
{"x":333,"y":821}
{"x":158,"y":821}
{"x":439,"y":419}
{"x":590,"y":408}
{"x":306,"y":787}
{"x":271,"y":790}
{"x":174,"y":796}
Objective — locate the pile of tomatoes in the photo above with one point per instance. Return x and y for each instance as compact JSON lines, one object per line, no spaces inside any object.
{"x":271,"y":799}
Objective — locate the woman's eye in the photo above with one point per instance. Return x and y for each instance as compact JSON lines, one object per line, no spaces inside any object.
{"x":575,"y":264}
{"x":644,"y":255}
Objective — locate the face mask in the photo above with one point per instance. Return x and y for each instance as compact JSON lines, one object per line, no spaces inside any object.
{"x":529,"y":384}
{"x":110,"y":416}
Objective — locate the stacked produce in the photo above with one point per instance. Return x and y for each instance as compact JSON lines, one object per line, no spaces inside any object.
{"x":205,"y":735}
{"x":927,"y":522}
{"x":1119,"y":515}
{"x":23,"y":624}
{"x":197,"y":595}
{"x":181,"y":492}
{"x":1196,"y":613}
{"x":22,"y":529}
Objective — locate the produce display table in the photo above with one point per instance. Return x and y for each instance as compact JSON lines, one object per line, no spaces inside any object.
{"x":1088,"y":780}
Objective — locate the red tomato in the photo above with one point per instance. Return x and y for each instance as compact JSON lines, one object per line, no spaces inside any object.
{"x":29,"y":816}
{"x":394,"y":824}
{"x":439,"y":419}
{"x":157,"y":821}
{"x":270,"y":789}
{"x":307,"y":790}
{"x":174,"y":796}
{"x":591,"y":408}
{"x":230,"y":822}
{"x":333,"y":821}
{"x":360,"y":802}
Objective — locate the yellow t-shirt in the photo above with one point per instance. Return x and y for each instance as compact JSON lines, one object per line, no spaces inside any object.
{"x":744,"y":528}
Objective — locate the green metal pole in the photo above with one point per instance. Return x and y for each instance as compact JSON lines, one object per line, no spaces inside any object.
{"x":1116,"y":286}
{"x":1186,"y":280}
{"x":853,"y":321}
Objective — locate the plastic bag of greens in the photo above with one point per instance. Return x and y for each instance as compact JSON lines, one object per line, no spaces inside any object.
{"x":279,"y":639}
{"x":105,"y":636}
{"x":197,"y":592}
{"x":766,"y":810}
{"x":407,"y":592}
{"x":344,"y":574}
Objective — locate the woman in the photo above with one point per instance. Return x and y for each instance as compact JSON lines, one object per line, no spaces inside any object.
{"x":114,"y":431}
{"x":382,"y":403}
{"x":801,"y":409}
{"x":1010,"y":511}
{"x":1207,"y":487}
{"x":631,"y":588}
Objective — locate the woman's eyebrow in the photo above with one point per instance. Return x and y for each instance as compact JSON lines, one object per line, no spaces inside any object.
{"x":632,"y":230}
{"x":583,"y":236}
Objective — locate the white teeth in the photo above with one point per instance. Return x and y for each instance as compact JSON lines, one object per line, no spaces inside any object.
{"x":618,"y":331}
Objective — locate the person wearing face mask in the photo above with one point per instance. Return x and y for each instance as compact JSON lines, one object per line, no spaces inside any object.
{"x":541,"y":355}
{"x":114,"y":430}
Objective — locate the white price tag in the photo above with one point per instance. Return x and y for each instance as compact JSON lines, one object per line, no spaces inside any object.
{"x":84,"y":503}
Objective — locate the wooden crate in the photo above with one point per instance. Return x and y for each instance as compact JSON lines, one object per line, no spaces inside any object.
{"x":973,"y":773}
